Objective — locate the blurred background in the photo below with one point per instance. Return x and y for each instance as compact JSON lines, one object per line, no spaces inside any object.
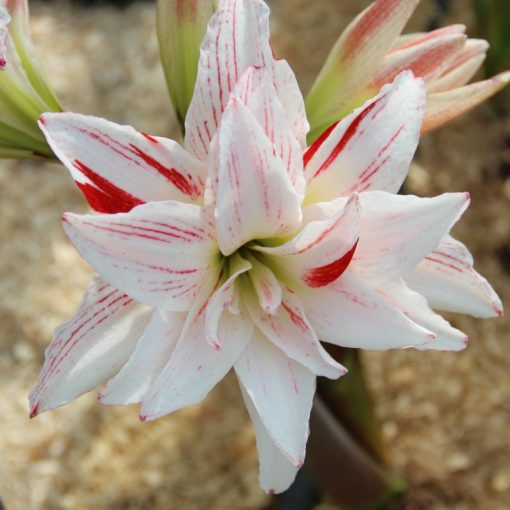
{"x":446,"y":417}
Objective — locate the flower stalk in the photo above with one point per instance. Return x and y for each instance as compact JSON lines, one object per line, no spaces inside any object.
{"x":343,"y":469}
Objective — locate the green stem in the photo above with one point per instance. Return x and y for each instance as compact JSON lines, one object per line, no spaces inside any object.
{"x":350,"y":402}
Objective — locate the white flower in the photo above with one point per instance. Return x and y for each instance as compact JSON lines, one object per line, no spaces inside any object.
{"x":247,"y":248}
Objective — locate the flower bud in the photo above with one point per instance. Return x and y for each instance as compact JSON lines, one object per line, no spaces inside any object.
{"x":24,"y":91}
{"x":181,"y":26}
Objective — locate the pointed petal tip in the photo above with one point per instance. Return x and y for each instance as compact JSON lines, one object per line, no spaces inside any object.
{"x":503,"y":77}
{"x":215,"y":345}
{"x":34,"y":410}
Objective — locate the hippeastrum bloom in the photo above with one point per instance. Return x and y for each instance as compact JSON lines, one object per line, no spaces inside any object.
{"x":370,"y":52}
{"x":24,"y":91}
{"x":246,"y":248}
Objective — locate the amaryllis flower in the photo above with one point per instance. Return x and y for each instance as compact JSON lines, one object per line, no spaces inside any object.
{"x":24,"y":91}
{"x":370,"y":52}
{"x":246,"y":249}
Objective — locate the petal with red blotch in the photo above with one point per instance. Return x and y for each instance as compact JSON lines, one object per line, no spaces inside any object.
{"x":447,"y":279}
{"x":350,"y":314}
{"x":371,"y":149}
{"x":415,"y":306}
{"x":276,"y":472}
{"x":160,"y":253}
{"x":353,"y":59}
{"x":445,"y":106}
{"x":152,"y":352}
{"x":290,"y":331}
{"x":397,"y":231}
{"x":118,"y":168}
{"x":322,"y":250}
{"x":237,"y":37}
{"x":255,"y":198}
{"x":427,"y":60}
{"x":281,"y":391}
{"x":91,"y":347}
{"x":256,"y":91}
{"x":223,"y":298}
{"x":194,"y":367}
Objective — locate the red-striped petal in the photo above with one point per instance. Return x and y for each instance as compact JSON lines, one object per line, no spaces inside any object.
{"x":118,"y":168}
{"x":372,"y":148}
{"x":91,"y":347}
{"x":161,"y":253}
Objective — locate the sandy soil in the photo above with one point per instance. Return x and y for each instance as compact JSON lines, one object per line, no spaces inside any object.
{"x":445,"y":416}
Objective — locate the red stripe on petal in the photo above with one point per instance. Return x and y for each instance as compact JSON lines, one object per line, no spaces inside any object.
{"x":307,"y":156}
{"x":149,"y":137}
{"x":105,"y":197}
{"x":175,"y":177}
{"x":296,"y":318}
{"x":347,"y":136}
{"x":321,"y":276}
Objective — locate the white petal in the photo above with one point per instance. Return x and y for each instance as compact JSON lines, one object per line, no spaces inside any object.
{"x":117,"y":167}
{"x":291,"y":98}
{"x":255,"y":198}
{"x":370,"y":149}
{"x":276,"y":472}
{"x":223,"y":298}
{"x":89,"y":348}
{"x":322,"y":250}
{"x":291,"y":332}
{"x":397,"y":231}
{"x":447,"y":279}
{"x":266,"y":285}
{"x":256,"y":91}
{"x":194,"y":367}
{"x":281,"y":391}
{"x":152,"y":352}
{"x":159,"y":253}
{"x":237,"y":38}
{"x":415,"y":306}
{"x":349,"y":314}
